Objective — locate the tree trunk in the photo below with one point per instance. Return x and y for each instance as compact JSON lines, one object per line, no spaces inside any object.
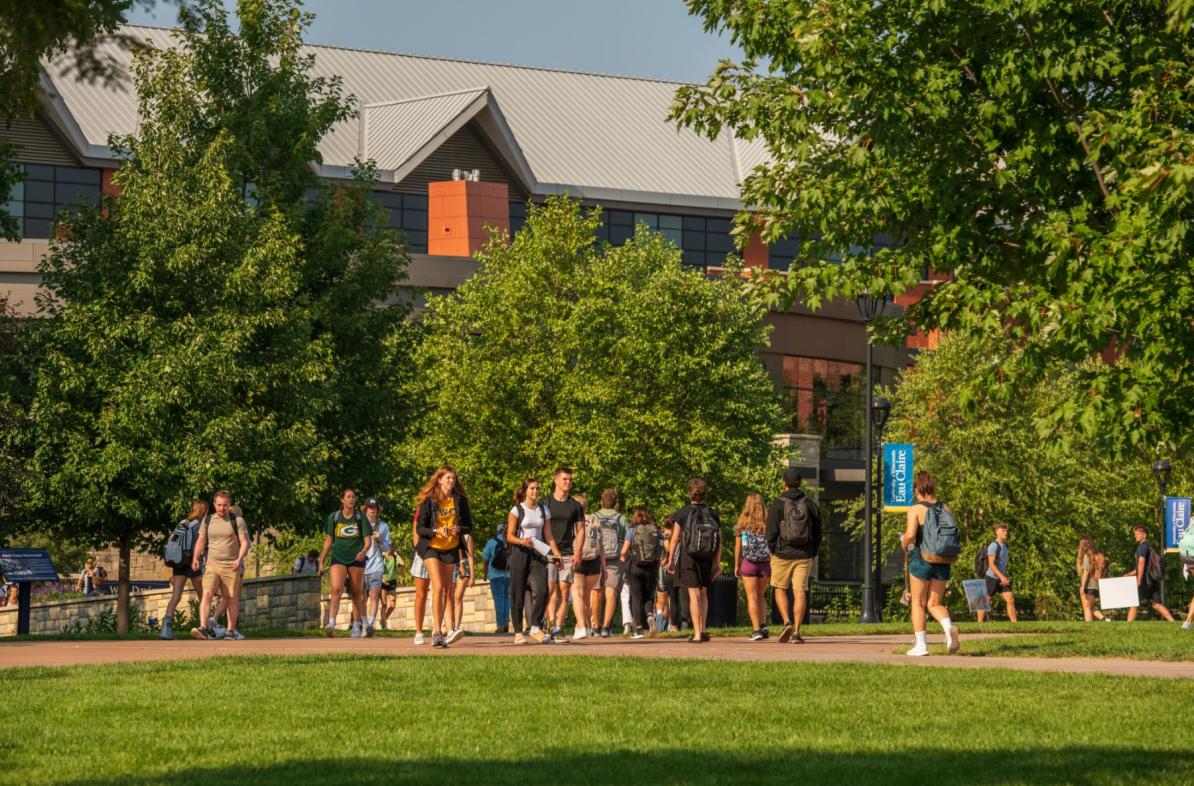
{"x":122,"y":592}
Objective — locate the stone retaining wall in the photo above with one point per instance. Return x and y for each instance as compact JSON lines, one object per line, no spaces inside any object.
{"x":479,"y":613}
{"x":285,"y":602}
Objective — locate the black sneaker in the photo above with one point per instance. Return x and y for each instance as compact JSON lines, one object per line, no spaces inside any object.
{"x":756,"y":635}
{"x":437,"y":640}
{"x":797,"y":638}
{"x":605,"y":633}
{"x":705,"y":636}
{"x":766,"y":633}
{"x":786,"y":633}
{"x":694,"y":640}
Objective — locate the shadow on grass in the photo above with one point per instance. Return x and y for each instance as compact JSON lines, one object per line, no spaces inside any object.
{"x":1072,"y":765}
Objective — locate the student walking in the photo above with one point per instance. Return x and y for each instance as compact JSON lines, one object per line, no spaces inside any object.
{"x":997,"y":581}
{"x":566,"y":517}
{"x":695,"y":549}
{"x":794,"y":539}
{"x":588,"y":564}
{"x":496,"y":556}
{"x":641,"y":549}
{"x":611,"y":531}
{"x":679,"y":618}
{"x":389,"y":585}
{"x":443,"y":521}
{"x":528,"y":532}
{"x":1091,"y":566}
{"x":224,"y":542}
{"x":375,"y":565}
{"x":1149,"y":572}
{"x":462,"y":579}
{"x":184,"y":571}
{"x":752,"y":562}
{"x":930,"y":524}
{"x":308,"y":564}
{"x":348,"y":537}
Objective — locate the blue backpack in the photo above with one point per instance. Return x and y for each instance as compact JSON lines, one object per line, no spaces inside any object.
{"x":939,"y":542}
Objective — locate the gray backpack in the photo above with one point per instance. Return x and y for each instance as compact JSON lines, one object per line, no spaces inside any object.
{"x":610,"y":540}
{"x":592,"y":539}
{"x":939,"y":542}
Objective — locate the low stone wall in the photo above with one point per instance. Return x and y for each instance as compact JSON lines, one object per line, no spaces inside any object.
{"x":280,"y":602}
{"x":480,"y":616}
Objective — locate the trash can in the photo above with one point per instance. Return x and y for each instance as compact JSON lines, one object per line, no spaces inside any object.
{"x":723,"y":603}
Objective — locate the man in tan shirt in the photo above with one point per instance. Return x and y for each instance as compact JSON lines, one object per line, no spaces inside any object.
{"x":222,"y":536}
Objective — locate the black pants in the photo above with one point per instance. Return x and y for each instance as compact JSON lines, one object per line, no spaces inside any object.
{"x":527,"y":570}
{"x":678,"y":605}
{"x":642,"y":578}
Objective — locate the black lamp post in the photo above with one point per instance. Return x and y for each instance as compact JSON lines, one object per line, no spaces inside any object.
{"x":880,"y":411}
{"x":1161,"y":471}
{"x":869,"y":307}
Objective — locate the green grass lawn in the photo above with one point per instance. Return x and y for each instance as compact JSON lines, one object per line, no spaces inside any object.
{"x":1138,"y":641}
{"x":563,"y":720}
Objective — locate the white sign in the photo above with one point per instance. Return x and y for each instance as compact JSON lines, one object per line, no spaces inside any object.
{"x":976,"y":594}
{"x":1118,"y":593}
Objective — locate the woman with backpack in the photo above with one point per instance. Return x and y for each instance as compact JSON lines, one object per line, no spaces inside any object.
{"x":1090,"y":569}
{"x":443,"y":522}
{"x":752,"y":562}
{"x":184,"y":571}
{"x":348,"y":538}
{"x":641,"y":551}
{"x":928,"y":571}
{"x":496,"y":556}
{"x":588,"y":566}
{"x":527,"y":534}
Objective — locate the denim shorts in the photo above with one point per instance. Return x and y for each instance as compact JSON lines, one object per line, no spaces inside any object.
{"x":927,"y":571}
{"x":372,"y":581}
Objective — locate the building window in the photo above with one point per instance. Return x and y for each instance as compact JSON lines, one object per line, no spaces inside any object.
{"x":703,"y":242}
{"x":49,"y":190}
{"x":518,"y":217}
{"x":407,"y":212}
{"x":826,"y":397}
{"x":781,"y":253}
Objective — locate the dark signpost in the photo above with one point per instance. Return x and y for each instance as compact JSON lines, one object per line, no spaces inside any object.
{"x":23,"y":567}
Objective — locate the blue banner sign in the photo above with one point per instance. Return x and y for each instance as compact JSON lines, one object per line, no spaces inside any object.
{"x":1177,"y":519}
{"x":897,"y":476}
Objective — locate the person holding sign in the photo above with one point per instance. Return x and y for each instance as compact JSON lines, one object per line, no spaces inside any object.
{"x":932,"y":538}
{"x":1149,"y":571}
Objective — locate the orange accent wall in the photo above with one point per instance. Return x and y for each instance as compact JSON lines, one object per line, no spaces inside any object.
{"x":458,"y":212}
{"x":106,"y":184}
{"x":756,"y":253}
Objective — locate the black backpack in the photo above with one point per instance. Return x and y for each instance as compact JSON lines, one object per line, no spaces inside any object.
{"x":702,"y":533}
{"x":521,"y":511}
{"x":796,"y":527}
{"x":981,"y":566}
{"x":1154,"y":568}
{"x":645,"y":543}
{"x":501,"y":554}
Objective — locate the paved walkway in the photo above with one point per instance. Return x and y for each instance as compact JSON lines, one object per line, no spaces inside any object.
{"x":837,"y":649}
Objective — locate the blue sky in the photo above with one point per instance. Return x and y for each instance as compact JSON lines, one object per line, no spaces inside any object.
{"x":650,"y":38}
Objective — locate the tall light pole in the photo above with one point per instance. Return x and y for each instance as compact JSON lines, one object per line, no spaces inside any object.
{"x":869,"y":307}
{"x":1161,"y":471}
{"x":880,"y":411}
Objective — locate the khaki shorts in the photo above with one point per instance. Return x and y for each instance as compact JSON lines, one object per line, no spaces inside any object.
{"x":612,"y":578}
{"x":556,"y":575}
{"x":790,"y":573}
{"x":223,"y":577}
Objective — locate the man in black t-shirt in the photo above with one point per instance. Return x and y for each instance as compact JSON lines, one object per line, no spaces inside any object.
{"x":566,"y":513}
{"x":1148,"y":590}
{"x":695,"y":573}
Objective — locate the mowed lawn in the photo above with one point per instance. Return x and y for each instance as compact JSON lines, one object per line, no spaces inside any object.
{"x":564,"y":720}
{"x":1138,"y":641}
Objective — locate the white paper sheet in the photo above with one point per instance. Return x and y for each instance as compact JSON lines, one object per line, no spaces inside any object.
{"x":1118,"y":593}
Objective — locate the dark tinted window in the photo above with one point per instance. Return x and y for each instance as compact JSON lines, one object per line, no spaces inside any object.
{"x":50,"y":190}
{"x":407,"y":212}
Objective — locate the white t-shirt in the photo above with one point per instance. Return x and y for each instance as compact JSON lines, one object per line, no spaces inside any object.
{"x":532,"y":521}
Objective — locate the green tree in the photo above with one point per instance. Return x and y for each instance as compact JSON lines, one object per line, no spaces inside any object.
{"x":69,"y":32}
{"x":207,"y":330}
{"x":1041,"y":153}
{"x":620,"y":362}
{"x":991,"y":466}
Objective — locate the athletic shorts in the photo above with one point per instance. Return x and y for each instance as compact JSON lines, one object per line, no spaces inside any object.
{"x":996,"y":587}
{"x":614,"y":574}
{"x":185,"y":570}
{"x":389,"y":586}
{"x":562,"y":574}
{"x":694,"y":573}
{"x":358,"y":564}
{"x":1149,"y":592}
{"x":446,"y":556}
{"x":927,"y":571}
{"x":758,"y":570}
{"x":1092,"y":591}
{"x":590,"y":567}
{"x":793,"y":573}
{"x":372,"y":581}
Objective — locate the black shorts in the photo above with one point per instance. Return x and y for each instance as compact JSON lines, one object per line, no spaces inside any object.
{"x":995,"y":587}
{"x":1092,"y":592}
{"x":389,"y":586}
{"x":693,"y":573}
{"x":1149,"y":592}
{"x":185,"y":570}
{"x":590,"y":567}
{"x":358,"y":564}
{"x":446,"y":556}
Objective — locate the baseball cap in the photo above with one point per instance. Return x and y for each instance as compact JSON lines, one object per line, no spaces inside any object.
{"x":371,"y":503}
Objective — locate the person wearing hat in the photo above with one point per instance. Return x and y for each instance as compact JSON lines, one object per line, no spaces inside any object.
{"x":375,"y":565}
{"x":794,"y":537}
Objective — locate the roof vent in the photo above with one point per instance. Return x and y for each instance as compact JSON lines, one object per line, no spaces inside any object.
{"x":467,"y":174}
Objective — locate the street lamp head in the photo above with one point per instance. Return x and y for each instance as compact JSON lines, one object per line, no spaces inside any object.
{"x":880,"y":412}
{"x":1161,"y":471}
{"x":870,"y":306}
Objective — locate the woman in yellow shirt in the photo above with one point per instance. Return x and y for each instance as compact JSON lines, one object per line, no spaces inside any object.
{"x":442,"y":520}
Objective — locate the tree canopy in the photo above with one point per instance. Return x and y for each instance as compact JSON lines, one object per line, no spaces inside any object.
{"x":1039,"y":152}
{"x":620,"y":362}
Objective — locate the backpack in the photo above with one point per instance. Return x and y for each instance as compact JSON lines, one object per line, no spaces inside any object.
{"x":1185,"y":546}
{"x":702,"y":534}
{"x":754,"y":548}
{"x":939,"y":542}
{"x":644,"y":545}
{"x":1154,"y":568}
{"x":180,"y":546}
{"x":521,"y":510}
{"x":981,"y":566}
{"x":592,"y":539}
{"x":796,"y":527}
{"x":608,"y":528}
{"x":501,"y":554}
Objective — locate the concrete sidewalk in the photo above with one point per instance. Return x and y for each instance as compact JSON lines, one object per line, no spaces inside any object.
{"x":836,"y":649}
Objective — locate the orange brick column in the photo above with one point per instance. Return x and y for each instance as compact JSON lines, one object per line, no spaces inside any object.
{"x":458,"y":212}
{"x":756,"y":253}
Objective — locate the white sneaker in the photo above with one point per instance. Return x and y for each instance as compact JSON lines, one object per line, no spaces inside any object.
{"x":234,"y":635}
{"x":537,"y":635}
{"x":1185,"y":626}
{"x":953,"y":641}
{"x":580,"y":633}
{"x":329,"y":630}
{"x":418,"y":639}
{"x":356,"y":630}
{"x":918,"y":651}
{"x":637,"y":635}
{"x":168,"y":631}
{"x":219,"y":630}
{"x":455,"y":635}
{"x":627,"y":629}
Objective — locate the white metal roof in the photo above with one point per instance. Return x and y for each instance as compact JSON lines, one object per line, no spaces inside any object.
{"x":601,"y":137}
